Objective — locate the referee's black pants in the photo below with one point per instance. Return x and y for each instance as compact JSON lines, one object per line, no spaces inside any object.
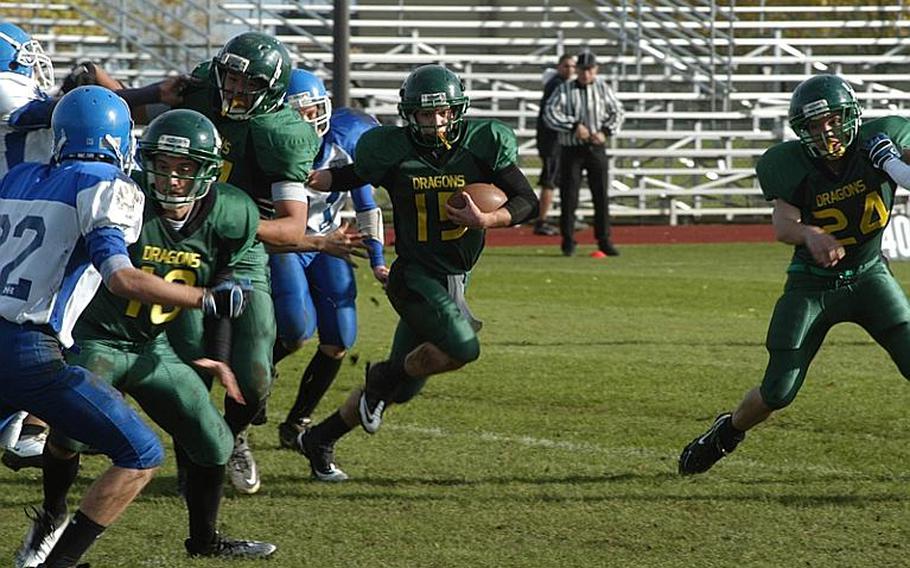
{"x":575,"y":160}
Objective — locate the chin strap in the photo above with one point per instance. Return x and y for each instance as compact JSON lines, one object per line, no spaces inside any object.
{"x":442,"y":138}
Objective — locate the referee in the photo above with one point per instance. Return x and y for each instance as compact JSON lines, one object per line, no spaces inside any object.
{"x":585,"y":112}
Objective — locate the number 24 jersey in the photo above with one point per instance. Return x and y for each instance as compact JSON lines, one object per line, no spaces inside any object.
{"x":854,"y":207}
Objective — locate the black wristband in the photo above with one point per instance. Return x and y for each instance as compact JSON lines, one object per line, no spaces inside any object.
{"x":345,"y":178}
{"x":218,"y":339}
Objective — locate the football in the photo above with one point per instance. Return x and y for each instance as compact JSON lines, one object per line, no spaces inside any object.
{"x":486,"y":196}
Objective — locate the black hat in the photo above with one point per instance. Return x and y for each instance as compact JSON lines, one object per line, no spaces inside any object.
{"x":586,"y":59}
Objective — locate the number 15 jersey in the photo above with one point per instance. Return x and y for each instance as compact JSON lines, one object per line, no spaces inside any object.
{"x":419,"y":186}
{"x":853,"y":206}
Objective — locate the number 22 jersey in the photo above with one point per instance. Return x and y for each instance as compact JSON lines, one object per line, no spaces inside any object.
{"x":59,"y":224}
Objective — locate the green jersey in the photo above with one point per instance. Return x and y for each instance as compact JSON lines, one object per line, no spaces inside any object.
{"x":274,"y":147}
{"x":220,"y":231}
{"x":419,"y":186}
{"x":854,"y":206}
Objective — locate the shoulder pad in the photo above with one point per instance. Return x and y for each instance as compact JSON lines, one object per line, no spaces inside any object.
{"x":781,"y":170}
{"x":347,"y":126}
{"x":285,"y":144}
{"x":379,"y":150}
{"x":201,"y":71}
{"x":16,"y":91}
{"x":492,"y":142}
{"x":896,"y":127}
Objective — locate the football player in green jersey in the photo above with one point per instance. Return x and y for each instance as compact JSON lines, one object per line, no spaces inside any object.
{"x":832,"y":200}
{"x":197,"y":232}
{"x":421,"y":165}
{"x":268,"y":152}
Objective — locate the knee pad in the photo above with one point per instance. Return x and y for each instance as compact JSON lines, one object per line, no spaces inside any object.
{"x":466,"y":351}
{"x":783,"y":379}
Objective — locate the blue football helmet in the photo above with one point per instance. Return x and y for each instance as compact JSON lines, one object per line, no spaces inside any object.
{"x":306,"y":90}
{"x":21,"y":54}
{"x":93,"y":123}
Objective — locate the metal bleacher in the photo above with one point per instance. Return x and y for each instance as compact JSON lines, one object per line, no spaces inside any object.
{"x":705,"y":85}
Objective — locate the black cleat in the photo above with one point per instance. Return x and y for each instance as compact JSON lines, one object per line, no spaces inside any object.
{"x":223,"y":547}
{"x":706,"y":450}
{"x":288,"y":432}
{"x":321,"y":457}
{"x":608,"y":249}
{"x":545,"y":229}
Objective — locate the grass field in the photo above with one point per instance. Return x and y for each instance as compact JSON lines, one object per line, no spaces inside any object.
{"x":559,"y":446}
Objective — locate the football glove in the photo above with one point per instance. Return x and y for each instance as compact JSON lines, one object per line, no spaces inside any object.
{"x":881,"y":150}
{"x":226,"y":299}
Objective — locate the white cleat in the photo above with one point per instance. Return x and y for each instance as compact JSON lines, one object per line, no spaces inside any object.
{"x":242,"y":468}
{"x":40,"y":539}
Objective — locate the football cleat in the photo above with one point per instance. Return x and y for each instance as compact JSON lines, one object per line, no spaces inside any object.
{"x":223,"y":547}
{"x":545,"y":229}
{"x":707,"y":449}
{"x":321,"y":458}
{"x":40,"y":539}
{"x":11,"y":428}
{"x":28,"y":450}
{"x":242,"y":468}
{"x":288,"y":432}
{"x":370,"y":407}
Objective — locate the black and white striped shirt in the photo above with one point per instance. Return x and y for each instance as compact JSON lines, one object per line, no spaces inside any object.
{"x":593,"y":105}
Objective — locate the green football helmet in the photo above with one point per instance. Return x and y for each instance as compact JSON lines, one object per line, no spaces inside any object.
{"x":433,"y":87}
{"x":816,"y":100}
{"x":182,"y":133}
{"x":261,"y":68}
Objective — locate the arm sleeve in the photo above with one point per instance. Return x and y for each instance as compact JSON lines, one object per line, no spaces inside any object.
{"x":345,"y":178}
{"x":107,"y":251}
{"x":34,"y":115}
{"x":556,"y":114}
{"x":614,"y":116}
{"x":141,"y":96}
{"x":217,"y":332}
{"x":899,"y":172}
{"x":522,"y":203}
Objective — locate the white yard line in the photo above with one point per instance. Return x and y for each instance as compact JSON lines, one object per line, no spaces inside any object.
{"x":625,"y":451}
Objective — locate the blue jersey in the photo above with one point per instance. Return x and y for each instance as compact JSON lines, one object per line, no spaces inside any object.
{"x":59,"y":224}
{"x":25,"y":133}
{"x":337,"y":150}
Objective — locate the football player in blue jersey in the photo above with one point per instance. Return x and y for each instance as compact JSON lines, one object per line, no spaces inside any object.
{"x":64,"y":229}
{"x":316,"y":290}
{"x":26,"y":74}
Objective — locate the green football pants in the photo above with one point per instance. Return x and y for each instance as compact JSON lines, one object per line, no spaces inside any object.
{"x":171,"y":392}
{"x":429,"y":313}
{"x":811,"y":305}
